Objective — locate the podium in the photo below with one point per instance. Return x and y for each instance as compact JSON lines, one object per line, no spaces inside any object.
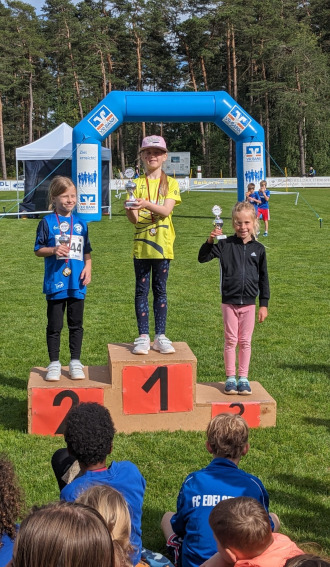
{"x":143,"y":393}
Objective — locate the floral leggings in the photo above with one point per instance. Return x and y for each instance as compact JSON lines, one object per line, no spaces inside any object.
{"x":143,"y":269}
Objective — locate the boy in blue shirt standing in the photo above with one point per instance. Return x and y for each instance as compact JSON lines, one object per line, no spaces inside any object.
{"x":263,"y":206}
{"x":227,"y":441}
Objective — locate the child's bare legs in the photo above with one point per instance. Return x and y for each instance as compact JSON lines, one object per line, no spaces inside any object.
{"x":165,"y":524}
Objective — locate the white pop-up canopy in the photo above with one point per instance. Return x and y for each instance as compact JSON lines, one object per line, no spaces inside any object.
{"x":42,"y":160}
{"x":57,"y":144}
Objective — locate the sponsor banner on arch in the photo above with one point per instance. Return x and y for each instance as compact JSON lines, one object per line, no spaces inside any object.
{"x":253,"y":165}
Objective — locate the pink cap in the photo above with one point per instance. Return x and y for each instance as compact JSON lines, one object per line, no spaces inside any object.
{"x":153,"y":142}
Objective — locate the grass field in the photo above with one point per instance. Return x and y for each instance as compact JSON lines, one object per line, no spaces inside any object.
{"x":290,"y":354}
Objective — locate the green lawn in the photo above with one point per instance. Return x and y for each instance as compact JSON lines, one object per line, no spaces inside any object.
{"x":290,"y":354}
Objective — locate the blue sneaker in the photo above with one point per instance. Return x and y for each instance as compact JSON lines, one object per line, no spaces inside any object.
{"x":265,"y":234}
{"x":230,"y":386}
{"x":243,"y":386}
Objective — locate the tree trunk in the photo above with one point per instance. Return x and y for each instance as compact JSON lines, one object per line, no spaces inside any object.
{"x":30,"y":107}
{"x":194,"y":84}
{"x":73,"y":66}
{"x":121,"y":149}
{"x":229,"y":89}
{"x":234,"y":61}
{"x":301,"y":130}
{"x":2,"y":145}
{"x":267,"y":122}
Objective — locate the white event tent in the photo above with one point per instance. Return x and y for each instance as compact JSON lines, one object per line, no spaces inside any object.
{"x":43,"y":159}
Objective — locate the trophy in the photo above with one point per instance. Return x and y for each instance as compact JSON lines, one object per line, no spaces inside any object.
{"x":130,"y":187}
{"x":64,"y":239}
{"x":218,"y":222}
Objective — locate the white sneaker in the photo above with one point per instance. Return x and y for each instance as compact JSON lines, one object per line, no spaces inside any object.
{"x":142,"y":345}
{"x":54,"y":371}
{"x":163,"y":344}
{"x":76,"y":370}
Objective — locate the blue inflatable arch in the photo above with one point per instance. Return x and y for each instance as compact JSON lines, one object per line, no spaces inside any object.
{"x":123,"y":106}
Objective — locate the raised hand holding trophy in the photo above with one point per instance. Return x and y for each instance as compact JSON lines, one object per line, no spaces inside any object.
{"x":218,"y":222}
{"x":130,"y":187}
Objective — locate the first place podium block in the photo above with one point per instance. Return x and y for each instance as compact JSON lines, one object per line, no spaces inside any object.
{"x":144,"y":393}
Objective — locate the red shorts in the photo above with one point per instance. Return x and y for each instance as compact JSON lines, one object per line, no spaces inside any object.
{"x":263,"y":214}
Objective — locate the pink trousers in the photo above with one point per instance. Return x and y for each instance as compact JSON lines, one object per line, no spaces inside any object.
{"x":238,"y":323}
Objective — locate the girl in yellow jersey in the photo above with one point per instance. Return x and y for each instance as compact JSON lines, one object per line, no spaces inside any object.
{"x":156,"y":195}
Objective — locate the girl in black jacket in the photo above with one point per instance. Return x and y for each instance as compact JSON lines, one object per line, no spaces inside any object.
{"x":243,"y":277}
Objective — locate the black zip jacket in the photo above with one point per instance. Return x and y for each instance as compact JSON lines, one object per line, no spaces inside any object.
{"x":243,"y":270}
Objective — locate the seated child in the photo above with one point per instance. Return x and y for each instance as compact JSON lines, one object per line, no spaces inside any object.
{"x":244,"y":537}
{"x":113,"y":508}
{"x":11,"y":503}
{"x":64,"y":533}
{"x":227,"y":441}
{"x":89,"y":433}
{"x":307,"y":560}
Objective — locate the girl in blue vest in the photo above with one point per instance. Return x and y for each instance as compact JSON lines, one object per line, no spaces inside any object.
{"x":62,"y":240}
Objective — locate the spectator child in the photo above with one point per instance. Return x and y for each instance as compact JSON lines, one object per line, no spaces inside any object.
{"x":263,"y":206}
{"x":251,"y":196}
{"x":227,"y":442}
{"x":156,"y":195}
{"x":244,"y":277}
{"x":11,"y":504}
{"x":62,"y":240}
{"x":66,"y":534}
{"x":244,"y":537}
{"x":114,"y":510}
{"x":89,"y":433}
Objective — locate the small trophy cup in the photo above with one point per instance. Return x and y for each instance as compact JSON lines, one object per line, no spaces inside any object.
{"x":130,"y":187}
{"x":64,"y":239}
{"x":218,"y":222}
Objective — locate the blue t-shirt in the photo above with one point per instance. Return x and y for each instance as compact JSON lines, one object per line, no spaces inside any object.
{"x":264,"y":203}
{"x":199,"y":493}
{"x":127,"y":479}
{"x":253,"y":195}
{"x":56,"y":284}
{"x":6,"y":551}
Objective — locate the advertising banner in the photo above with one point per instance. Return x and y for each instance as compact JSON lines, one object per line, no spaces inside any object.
{"x":87,"y":178}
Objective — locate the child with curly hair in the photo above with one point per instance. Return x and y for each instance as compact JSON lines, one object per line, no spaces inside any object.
{"x":11,"y":505}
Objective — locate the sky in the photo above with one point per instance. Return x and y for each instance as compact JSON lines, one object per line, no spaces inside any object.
{"x":38,"y":4}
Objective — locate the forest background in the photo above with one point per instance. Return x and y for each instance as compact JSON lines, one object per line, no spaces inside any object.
{"x":272,"y":56}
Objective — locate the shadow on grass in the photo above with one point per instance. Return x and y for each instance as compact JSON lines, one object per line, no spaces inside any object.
{"x":297,"y":505}
{"x":13,"y":414}
{"x":317,"y":421}
{"x":312,"y":368}
{"x":13,"y":410}
{"x":17,"y":383}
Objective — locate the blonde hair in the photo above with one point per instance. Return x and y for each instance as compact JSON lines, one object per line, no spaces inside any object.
{"x":58,"y":186}
{"x":227,"y":435}
{"x":113,"y":508}
{"x":241,"y":523}
{"x":64,"y":533}
{"x":245,"y":206}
